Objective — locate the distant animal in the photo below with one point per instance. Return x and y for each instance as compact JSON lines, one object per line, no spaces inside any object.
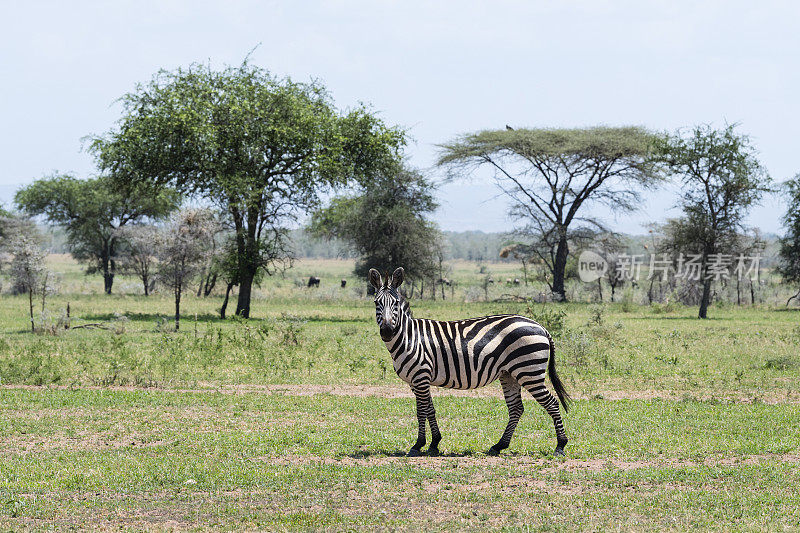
{"x":467,"y":354}
{"x":490,"y":280}
{"x":370,"y":290}
{"x":313,"y":281}
{"x":516,"y":281}
{"x":443,"y":281}
{"x":509,"y":128}
{"x":509,"y":281}
{"x":344,"y":283}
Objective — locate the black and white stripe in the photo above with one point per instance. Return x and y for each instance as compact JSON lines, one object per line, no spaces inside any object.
{"x":467,"y":354}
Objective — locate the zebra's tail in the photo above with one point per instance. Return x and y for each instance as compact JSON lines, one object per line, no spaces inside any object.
{"x":563,"y":396}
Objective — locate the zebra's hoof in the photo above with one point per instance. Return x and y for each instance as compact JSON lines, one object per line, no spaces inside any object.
{"x":559,"y":452}
{"x":413,"y":452}
{"x":494,"y":451}
{"x":433,"y":451}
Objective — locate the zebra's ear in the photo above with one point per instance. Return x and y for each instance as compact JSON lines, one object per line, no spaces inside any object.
{"x":397,"y":277}
{"x":375,"y":278}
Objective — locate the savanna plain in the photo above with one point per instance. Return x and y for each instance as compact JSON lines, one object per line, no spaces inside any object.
{"x":295,"y":419}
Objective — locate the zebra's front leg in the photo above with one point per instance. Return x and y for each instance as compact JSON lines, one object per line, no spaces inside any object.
{"x":425,"y":412}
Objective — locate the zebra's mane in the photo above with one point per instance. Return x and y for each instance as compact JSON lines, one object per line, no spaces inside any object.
{"x":405,"y":306}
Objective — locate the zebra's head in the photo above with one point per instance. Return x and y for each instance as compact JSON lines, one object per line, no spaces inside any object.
{"x":389,"y":303}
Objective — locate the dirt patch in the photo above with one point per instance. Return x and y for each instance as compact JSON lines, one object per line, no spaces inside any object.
{"x":19,"y":445}
{"x":360,"y":391}
{"x":541,"y":464}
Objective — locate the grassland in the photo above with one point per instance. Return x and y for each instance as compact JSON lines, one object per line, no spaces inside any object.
{"x":295,"y":420}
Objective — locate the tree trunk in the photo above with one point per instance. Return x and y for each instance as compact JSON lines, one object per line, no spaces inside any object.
{"x":613,"y":290}
{"x":792,"y":298}
{"x":30,"y":301}
{"x":706,"y":299}
{"x":177,"y":308}
{"x":600,"y":288}
{"x":108,"y":281}
{"x":752,"y":294}
{"x":211,"y":282}
{"x":525,"y":273}
{"x":225,"y":301}
{"x":44,"y":289}
{"x":559,"y":270}
{"x":245,"y":290}
{"x":200,"y":285}
{"x":146,"y":288}
{"x":738,"y":291}
{"x":108,"y":274}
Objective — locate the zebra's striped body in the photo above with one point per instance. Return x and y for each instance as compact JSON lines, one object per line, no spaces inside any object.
{"x":467,"y":354}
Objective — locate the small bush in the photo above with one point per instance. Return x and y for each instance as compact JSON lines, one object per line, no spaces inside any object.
{"x":596,"y":315}
{"x":578,"y":347}
{"x":782,"y":363}
{"x":548,"y":315}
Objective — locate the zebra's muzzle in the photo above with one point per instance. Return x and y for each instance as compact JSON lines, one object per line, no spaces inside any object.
{"x":387,"y":331}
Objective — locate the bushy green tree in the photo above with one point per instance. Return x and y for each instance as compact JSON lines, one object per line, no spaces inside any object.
{"x":551,"y":176}
{"x":720,"y":178}
{"x":260,"y":147}
{"x":92,"y":211}
{"x":386,"y":223}
{"x":789,"y":267}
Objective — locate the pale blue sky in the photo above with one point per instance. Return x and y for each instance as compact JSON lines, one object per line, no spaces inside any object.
{"x":439,"y":68}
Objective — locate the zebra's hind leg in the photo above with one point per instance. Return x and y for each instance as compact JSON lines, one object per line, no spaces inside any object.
{"x":436,"y":435}
{"x":513,"y":396}
{"x":551,"y":405}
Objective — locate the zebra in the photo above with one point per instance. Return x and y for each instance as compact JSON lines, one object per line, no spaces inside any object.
{"x":467,"y":354}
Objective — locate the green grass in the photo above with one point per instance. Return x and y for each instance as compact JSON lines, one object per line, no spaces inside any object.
{"x":150,"y":458}
{"x":742,"y":352}
{"x":101,"y":428}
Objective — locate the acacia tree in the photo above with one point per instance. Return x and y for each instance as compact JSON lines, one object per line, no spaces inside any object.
{"x":181,"y":250}
{"x":210,"y":270}
{"x":6,"y":220}
{"x":551,"y":176}
{"x":12,"y":226}
{"x":524,"y":252}
{"x":28,"y":271}
{"x":92,"y":211}
{"x":720,"y":178}
{"x":610,"y":246}
{"x":385,"y":222}
{"x":138,"y":255}
{"x":789,"y":267}
{"x":260,"y":147}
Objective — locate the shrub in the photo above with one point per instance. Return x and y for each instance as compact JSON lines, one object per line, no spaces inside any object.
{"x":548,"y":315}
